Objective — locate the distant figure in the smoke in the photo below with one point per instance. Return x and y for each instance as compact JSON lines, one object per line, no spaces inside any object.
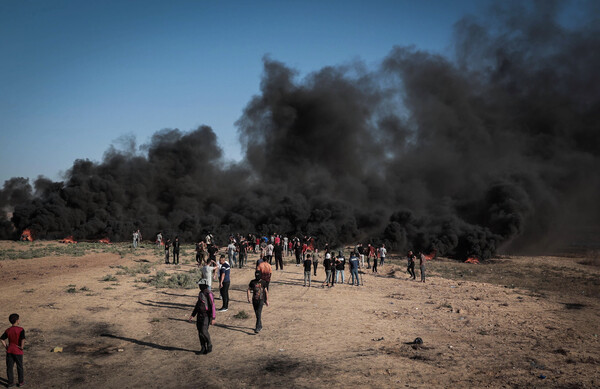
{"x":158,"y":239}
{"x":260,"y":296}
{"x":411,"y":265}
{"x":205,"y":309}
{"x":135,"y":239}
{"x":176,"y":251}
{"x":422,"y":266}
{"x":285,"y":245}
{"x":278,"y":252}
{"x":358,"y":250}
{"x":167,"y":247}
{"x":224,"y":281}
{"x":212,"y":252}
{"x":371,"y":255}
{"x":208,"y":239}
{"x":139,"y":236}
{"x":382,"y":254}
{"x":315,"y":259}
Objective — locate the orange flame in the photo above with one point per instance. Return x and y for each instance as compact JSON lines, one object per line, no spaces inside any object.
{"x":472,"y":260}
{"x":68,"y":239}
{"x":27,"y":236}
{"x":105,"y":240}
{"x":431,"y":255}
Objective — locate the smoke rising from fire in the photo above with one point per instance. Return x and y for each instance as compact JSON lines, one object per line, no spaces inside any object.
{"x":499,"y":146}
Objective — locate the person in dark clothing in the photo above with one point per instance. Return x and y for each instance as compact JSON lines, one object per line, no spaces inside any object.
{"x":260,"y":296}
{"x":315,"y":259}
{"x":307,"y":265}
{"x":243,"y":249}
{"x":333,"y":267}
{"x":167,"y":247}
{"x":340,"y":267}
{"x":411,"y":265}
{"x":298,"y":252}
{"x":374,"y":268}
{"x":327,"y":267}
{"x":205,"y":309}
{"x":224,"y":281}
{"x":212,"y":252}
{"x":176,"y":251}
{"x":14,"y":350}
{"x":278,"y":251}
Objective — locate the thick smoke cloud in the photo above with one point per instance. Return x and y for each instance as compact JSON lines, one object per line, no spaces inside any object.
{"x":495,"y":148}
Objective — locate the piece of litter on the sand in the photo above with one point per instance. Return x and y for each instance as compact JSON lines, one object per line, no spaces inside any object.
{"x":449,"y":346}
{"x":395,"y":311}
{"x":416,"y":308}
{"x":542,"y":376}
{"x":461,"y":318}
{"x":452,"y":286}
{"x":378,"y":339}
{"x":57,"y":350}
{"x":281,"y":350}
{"x":120,"y":350}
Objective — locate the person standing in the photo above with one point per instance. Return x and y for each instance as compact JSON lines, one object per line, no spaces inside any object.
{"x":208,"y":272}
{"x":260,"y":296}
{"x":158,"y":239}
{"x":382,"y":254}
{"x":135,"y":239}
{"x":285,"y":245}
{"x":200,"y":253}
{"x":354,"y":265}
{"x":14,"y":350}
{"x":205,"y":309}
{"x":315,"y":260}
{"x":278,"y":251}
{"x":243,"y":250}
{"x":298,"y":252}
{"x":212,"y":252}
{"x":307,"y":264}
{"x":327,"y":267}
{"x":167,"y":247}
{"x":422,"y":266}
{"x":411,"y":265}
{"x":374,"y":268}
{"x":340,"y":267}
{"x":231,"y":253}
{"x":224,"y":281}
{"x":176,"y":251}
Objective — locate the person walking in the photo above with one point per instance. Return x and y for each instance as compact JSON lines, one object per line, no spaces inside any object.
{"x":374,"y":268}
{"x":231,"y":253}
{"x":327,"y":267}
{"x":411,"y":265}
{"x":307,"y":265}
{"x":265,"y":270}
{"x":260,"y":296}
{"x":340,"y":267}
{"x":224,"y":281}
{"x":205,"y":310}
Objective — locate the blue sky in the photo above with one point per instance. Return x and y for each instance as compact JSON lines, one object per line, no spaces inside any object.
{"x":77,"y":75}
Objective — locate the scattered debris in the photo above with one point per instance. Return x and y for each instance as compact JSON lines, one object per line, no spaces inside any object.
{"x":57,"y":349}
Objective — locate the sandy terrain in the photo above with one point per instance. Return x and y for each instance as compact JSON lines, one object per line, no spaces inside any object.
{"x":503,"y":324}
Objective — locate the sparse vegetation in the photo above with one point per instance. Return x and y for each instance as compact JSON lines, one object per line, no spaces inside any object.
{"x":241,"y":315}
{"x":108,"y":278}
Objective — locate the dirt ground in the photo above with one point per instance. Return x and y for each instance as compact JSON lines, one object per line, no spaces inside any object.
{"x":513,"y":322}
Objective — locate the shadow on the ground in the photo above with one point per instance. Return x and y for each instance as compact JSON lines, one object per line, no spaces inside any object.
{"x":147,"y":344}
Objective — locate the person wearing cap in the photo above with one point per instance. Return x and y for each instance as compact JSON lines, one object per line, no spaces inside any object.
{"x":205,"y":309}
{"x":260,"y":296}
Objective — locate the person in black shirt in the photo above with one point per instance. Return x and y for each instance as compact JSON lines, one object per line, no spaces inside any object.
{"x":205,"y":309}
{"x":167,"y":246}
{"x":307,"y":265}
{"x":298,"y":252}
{"x":411,"y":265}
{"x":212,"y":252}
{"x":260,"y":296}
{"x":176,"y":251}
{"x":243,"y":249}
{"x":340,"y":267}
{"x":278,"y":251}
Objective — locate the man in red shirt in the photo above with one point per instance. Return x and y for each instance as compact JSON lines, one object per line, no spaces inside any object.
{"x":14,"y":349}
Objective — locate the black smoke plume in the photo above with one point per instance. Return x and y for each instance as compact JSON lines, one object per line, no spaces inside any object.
{"x":497,"y":147}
